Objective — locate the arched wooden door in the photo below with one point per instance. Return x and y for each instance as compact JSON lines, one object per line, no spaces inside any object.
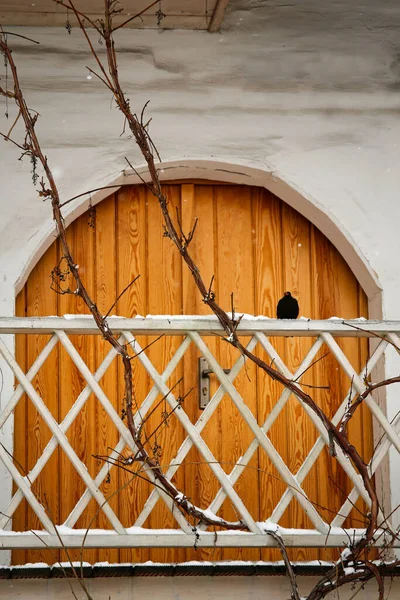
{"x":257,"y":247}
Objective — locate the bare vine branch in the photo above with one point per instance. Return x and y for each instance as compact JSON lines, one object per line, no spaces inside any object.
{"x":352,"y":567}
{"x":32,"y":148}
{"x":229,"y":324}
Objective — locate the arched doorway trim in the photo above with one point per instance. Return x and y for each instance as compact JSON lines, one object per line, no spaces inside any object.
{"x":245,"y":175}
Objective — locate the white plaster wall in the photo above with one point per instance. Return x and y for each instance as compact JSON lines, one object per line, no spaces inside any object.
{"x":306,"y":91}
{"x":177,"y":588}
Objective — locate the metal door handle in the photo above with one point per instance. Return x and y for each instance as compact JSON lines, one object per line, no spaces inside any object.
{"x":204,"y":382}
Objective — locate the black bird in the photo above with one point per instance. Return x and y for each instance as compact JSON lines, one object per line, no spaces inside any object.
{"x":288,"y":307}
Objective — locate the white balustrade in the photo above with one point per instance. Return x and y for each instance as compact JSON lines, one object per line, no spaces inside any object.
{"x":195,"y":331}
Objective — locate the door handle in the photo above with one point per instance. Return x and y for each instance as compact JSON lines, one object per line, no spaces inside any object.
{"x":204,"y":382}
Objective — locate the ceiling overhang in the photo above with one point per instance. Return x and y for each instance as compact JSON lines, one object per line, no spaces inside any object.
{"x":165,"y":14}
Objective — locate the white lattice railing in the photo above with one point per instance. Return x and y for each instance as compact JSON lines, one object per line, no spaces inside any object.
{"x":194,"y":331}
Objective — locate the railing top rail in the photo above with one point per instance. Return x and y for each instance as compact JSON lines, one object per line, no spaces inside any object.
{"x":205,"y":325}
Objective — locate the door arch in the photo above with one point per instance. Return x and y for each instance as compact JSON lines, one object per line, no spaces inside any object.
{"x":257,"y":247}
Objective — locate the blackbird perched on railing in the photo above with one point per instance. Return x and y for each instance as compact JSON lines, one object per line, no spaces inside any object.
{"x":288,"y":307}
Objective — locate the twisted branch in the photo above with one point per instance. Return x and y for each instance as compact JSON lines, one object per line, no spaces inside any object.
{"x":32,"y":148}
{"x":341,"y":574}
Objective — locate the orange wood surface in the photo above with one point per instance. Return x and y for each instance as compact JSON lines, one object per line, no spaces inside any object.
{"x":47,"y":485}
{"x":106,"y":293}
{"x":257,"y":247}
{"x":131,"y":256}
{"x":165,"y":297}
{"x":83,"y":433}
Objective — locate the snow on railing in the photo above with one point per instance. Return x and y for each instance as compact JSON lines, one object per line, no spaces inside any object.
{"x":181,"y":324}
{"x":194,"y":330}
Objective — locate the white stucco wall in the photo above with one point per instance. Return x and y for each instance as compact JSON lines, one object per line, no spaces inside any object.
{"x":176,"y":588}
{"x":307,"y":92}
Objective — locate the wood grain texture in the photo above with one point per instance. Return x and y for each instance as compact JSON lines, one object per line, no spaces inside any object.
{"x":257,"y":247}
{"x":164,"y":273}
{"x":336,"y":293}
{"x":178,"y":14}
{"x":131,"y":249}
{"x":268,"y":274}
{"x":301,"y":431}
{"x":184,"y":7}
{"x":39,"y":301}
{"x":235,"y":276}
{"x":83,"y":432}
{"x":48,"y":19}
{"x":326,"y":302}
{"x":106,"y":434}
{"x":200,"y":483}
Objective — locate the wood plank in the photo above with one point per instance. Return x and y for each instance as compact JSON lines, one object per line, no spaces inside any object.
{"x":200,"y":483}
{"x":326,"y":303}
{"x":218,"y":15}
{"x":131,"y":261}
{"x":336,"y":293}
{"x":41,"y":300}
{"x":234,"y":274}
{"x":301,"y":431}
{"x":165,"y":296}
{"x":82,"y":433}
{"x":20,"y":425}
{"x":268,"y":283}
{"x":104,"y":432}
{"x":130,"y":7}
{"x":148,"y":21}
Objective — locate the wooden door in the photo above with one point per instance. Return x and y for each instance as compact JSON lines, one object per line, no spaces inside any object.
{"x":257,"y":247}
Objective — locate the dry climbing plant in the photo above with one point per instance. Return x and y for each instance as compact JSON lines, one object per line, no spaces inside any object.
{"x":354,"y":565}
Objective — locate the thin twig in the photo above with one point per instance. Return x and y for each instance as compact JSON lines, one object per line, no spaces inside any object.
{"x":8,"y":139}
{"x":85,"y":17}
{"x":104,"y":187}
{"x":146,"y":347}
{"x":146,"y":183}
{"x":120,"y":295}
{"x":13,"y":125}
{"x":310,"y":366}
{"x":24,"y":37}
{"x":139,"y":14}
